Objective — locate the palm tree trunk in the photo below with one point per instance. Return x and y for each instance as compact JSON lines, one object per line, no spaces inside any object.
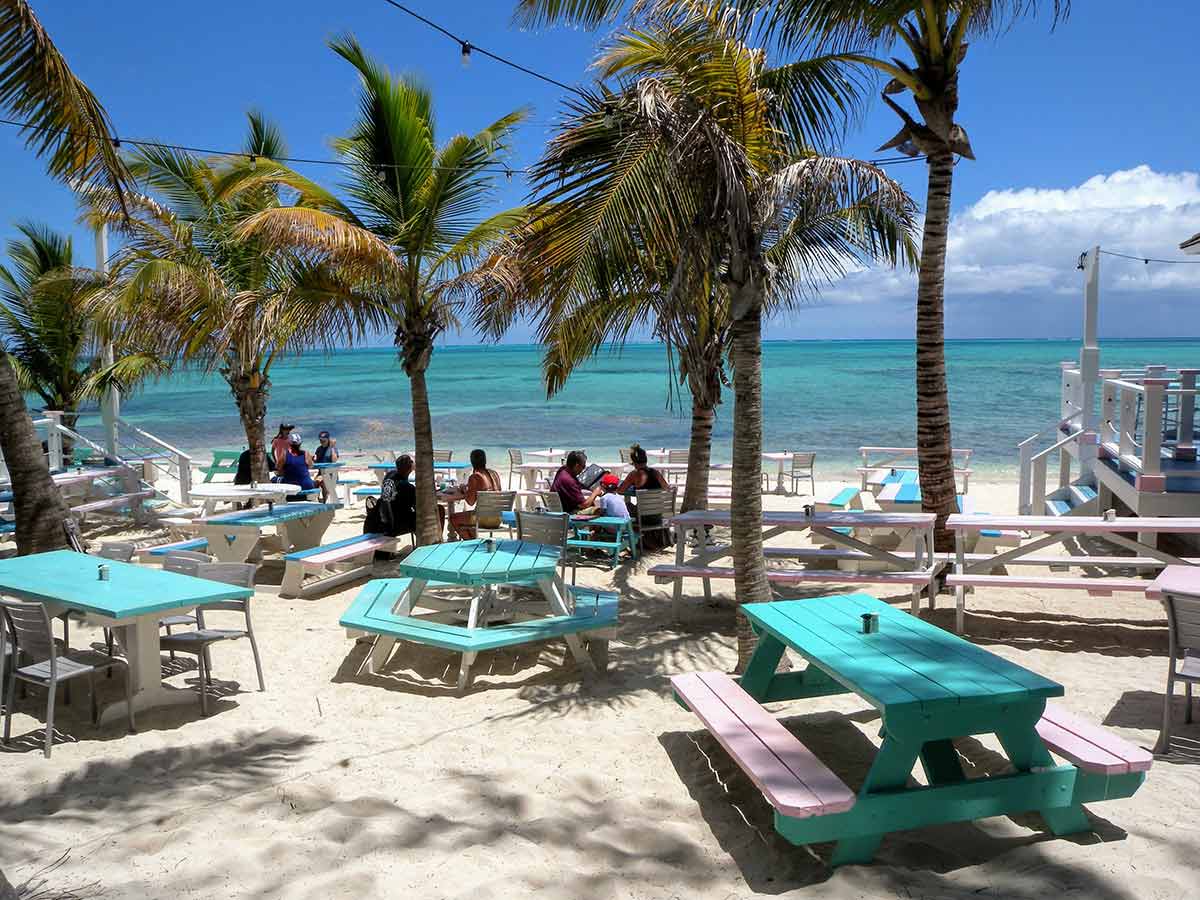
{"x":250,"y":391}
{"x":934,"y":458}
{"x":428,"y":531}
{"x":40,"y":508}
{"x":750,"y":571}
{"x":695,"y":494}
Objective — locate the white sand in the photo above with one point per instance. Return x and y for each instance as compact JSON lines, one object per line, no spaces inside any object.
{"x":337,"y":785}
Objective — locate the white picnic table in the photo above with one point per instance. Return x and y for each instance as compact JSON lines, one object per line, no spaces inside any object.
{"x":236,"y":536}
{"x":217,"y":492}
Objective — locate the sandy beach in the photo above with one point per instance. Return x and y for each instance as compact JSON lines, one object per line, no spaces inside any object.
{"x":335,"y":784}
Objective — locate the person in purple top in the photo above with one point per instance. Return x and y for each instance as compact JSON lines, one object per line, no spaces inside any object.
{"x":566,"y":483}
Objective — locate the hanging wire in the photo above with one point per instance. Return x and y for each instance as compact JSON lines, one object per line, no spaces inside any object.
{"x":1150,"y":259}
{"x":469,"y":47}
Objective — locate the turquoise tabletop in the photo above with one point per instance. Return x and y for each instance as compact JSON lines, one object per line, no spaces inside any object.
{"x":72,"y":579}
{"x":470,"y":563}
{"x":907,"y":662}
{"x":283,"y":512}
{"x":329,"y":465}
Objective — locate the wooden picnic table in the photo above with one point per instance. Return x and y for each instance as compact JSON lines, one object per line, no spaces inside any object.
{"x":930,"y":688}
{"x":236,"y":536}
{"x":470,"y":564}
{"x":131,"y":601}
{"x":830,"y":526}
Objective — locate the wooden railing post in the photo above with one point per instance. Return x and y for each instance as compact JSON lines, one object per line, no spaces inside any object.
{"x":1108,"y":406}
{"x":1152,"y":434}
{"x":1126,"y":421}
{"x":1038,"y":495}
{"x":1026,"y":449}
{"x":1185,"y":445}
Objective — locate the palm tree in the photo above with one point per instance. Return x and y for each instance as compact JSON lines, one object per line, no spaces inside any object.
{"x":936,"y":34}
{"x":702,"y":156}
{"x":53,"y":343}
{"x":413,"y":228}
{"x":191,"y":283}
{"x":68,"y":128}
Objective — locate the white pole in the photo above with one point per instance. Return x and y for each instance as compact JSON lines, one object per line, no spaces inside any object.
{"x":1089,"y":364}
{"x":110,"y":404}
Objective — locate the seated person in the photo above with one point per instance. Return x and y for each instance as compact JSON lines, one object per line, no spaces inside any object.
{"x":279,"y":444}
{"x":296,"y":463}
{"x":463,"y":523}
{"x":326,"y":453}
{"x":245,"y":474}
{"x":610,"y":503}
{"x":570,"y":491}
{"x":395,"y":512}
{"x":642,"y":477}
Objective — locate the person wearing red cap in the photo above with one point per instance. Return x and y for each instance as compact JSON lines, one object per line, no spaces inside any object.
{"x":610,"y":502}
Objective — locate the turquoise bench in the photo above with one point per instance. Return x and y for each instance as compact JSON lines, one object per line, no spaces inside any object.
{"x":368,"y":491}
{"x":320,"y":562}
{"x":372,"y":612}
{"x":194,"y":545}
{"x":618,"y":539}
{"x":7,"y":527}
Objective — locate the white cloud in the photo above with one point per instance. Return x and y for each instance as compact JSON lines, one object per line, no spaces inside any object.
{"x":1027,"y":241}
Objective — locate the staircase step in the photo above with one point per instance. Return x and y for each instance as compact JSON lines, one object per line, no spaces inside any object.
{"x":1058,"y":508}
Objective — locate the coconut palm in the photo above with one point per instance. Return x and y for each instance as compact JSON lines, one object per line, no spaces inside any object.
{"x":936,"y":34}
{"x":191,"y":283}
{"x":701,"y":155}
{"x":53,"y":343}
{"x":68,"y":128}
{"x":413,"y":227}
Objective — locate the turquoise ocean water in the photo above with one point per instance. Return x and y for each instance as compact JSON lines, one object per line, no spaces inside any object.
{"x":827,"y":396}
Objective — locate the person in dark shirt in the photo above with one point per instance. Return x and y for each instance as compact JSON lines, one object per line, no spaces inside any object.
{"x":244,"y":474}
{"x":395,"y":512}
{"x":566,"y":484}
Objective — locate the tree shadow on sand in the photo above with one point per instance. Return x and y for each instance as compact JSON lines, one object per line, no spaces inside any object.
{"x":1058,"y":632}
{"x":118,"y":792}
{"x":743,"y":824}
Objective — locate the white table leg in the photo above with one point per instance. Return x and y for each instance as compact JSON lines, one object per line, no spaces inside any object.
{"x":230,"y":543}
{"x":554,"y":590}
{"x":779,"y":478}
{"x":139,"y":641}
{"x":306,"y":533}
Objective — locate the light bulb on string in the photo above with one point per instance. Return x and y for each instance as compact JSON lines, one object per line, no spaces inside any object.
{"x":466,"y":53}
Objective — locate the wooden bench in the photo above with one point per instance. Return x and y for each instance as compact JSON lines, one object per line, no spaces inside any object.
{"x":1089,"y":746}
{"x":321,"y":562}
{"x":372,"y":612}
{"x":112,"y":503}
{"x":789,"y":775}
{"x":224,"y":462}
{"x":915,"y":580}
{"x":845,"y":499}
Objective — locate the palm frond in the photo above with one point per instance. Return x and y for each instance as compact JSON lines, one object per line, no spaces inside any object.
{"x":66,"y":125}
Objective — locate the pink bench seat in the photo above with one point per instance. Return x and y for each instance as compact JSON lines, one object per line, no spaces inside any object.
{"x":1089,"y":746}
{"x":794,"y":576}
{"x":791,"y":778}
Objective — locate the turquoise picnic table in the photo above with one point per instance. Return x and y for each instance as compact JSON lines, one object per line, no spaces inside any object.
{"x":131,"y":601}
{"x":382,"y":468}
{"x":930,"y":688}
{"x":237,"y":536}
{"x":482,"y":566}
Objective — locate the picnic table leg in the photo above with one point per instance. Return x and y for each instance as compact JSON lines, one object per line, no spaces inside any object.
{"x":552,"y":590}
{"x":760,"y":671}
{"x":960,"y":591}
{"x":893,"y":764}
{"x":1026,"y":751}
{"x":677,"y":591}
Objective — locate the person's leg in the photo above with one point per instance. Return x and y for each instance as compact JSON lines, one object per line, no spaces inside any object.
{"x":463,"y":524}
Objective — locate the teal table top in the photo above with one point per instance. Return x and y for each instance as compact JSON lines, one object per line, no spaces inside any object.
{"x":906,"y":663}
{"x":469,"y":562}
{"x":328,"y":465}
{"x":72,"y":579}
{"x":263,"y":516}
{"x":610,"y":521}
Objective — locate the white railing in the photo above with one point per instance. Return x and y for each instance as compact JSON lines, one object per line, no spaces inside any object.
{"x":180,"y":464}
{"x":1033,"y":497}
{"x":1028,"y":452}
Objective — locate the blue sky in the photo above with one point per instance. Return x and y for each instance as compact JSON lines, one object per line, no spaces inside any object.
{"x":1084,"y":134}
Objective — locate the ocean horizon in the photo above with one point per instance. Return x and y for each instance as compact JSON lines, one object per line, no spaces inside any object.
{"x":828,"y":396}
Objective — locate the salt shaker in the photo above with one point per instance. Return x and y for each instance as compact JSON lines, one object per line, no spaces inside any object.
{"x":102,"y":572}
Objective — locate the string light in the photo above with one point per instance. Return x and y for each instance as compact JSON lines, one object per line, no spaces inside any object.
{"x":1146,"y":260}
{"x":466,"y":53}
